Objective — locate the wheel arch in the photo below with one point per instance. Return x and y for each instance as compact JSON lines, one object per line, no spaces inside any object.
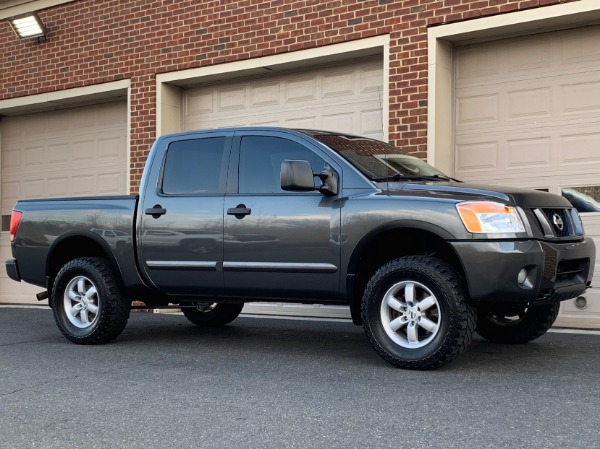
{"x":73,"y":246}
{"x":390,"y":241}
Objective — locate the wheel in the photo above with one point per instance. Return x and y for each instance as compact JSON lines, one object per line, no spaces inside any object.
{"x":415,"y":313}
{"x":212,"y":314}
{"x":518,"y":326}
{"x":87,"y":302}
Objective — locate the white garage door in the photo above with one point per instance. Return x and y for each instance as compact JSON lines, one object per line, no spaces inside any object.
{"x":342,"y":97}
{"x":345,"y":97}
{"x":71,"y":152}
{"x":527,"y":113}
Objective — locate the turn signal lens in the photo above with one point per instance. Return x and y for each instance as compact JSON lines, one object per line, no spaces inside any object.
{"x":486,"y":217}
{"x":15,"y":220}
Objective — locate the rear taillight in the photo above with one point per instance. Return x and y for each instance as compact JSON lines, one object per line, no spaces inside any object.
{"x":15,"y":221}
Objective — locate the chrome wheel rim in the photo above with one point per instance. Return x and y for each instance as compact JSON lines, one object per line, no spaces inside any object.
{"x":410,"y":314}
{"x":81,"y":302}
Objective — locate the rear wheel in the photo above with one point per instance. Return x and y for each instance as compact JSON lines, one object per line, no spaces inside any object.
{"x":212,"y":314}
{"x":87,"y":302}
{"x":517,"y":326}
{"x":415,"y":313}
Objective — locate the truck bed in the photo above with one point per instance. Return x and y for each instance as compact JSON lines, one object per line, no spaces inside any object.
{"x":48,"y":225}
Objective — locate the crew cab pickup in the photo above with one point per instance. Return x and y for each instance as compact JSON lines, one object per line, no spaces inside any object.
{"x":230,"y":216}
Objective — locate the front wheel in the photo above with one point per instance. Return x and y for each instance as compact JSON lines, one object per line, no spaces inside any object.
{"x":517,"y":326}
{"x":87,"y":302}
{"x":212,"y":314}
{"x":415,"y":313}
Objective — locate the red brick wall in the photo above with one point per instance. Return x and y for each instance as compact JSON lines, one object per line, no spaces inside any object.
{"x":92,"y":41}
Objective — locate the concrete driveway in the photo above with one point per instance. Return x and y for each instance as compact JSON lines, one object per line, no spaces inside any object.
{"x":275,"y":383}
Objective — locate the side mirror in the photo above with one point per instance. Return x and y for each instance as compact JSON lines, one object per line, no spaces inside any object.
{"x":297,"y":176}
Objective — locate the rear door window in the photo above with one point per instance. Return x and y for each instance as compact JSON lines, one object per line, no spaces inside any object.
{"x":194,"y":167}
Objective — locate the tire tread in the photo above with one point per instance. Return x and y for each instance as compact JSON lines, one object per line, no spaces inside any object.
{"x":462,"y":313}
{"x":114,"y":310}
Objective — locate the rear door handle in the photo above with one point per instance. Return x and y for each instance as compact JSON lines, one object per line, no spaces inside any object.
{"x":156,"y":211}
{"x":240,"y":211}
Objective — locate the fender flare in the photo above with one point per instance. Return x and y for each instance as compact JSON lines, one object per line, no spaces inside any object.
{"x":79,"y":234}
{"x":394,"y":225}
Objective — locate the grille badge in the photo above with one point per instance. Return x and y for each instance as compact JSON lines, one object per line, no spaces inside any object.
{"x":558,"y":222}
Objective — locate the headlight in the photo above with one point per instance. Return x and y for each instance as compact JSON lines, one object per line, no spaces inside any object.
{"x":486,"y":217}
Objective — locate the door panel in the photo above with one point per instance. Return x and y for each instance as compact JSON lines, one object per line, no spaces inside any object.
{"x":286,"y":243}
{"x":286,"y":246}
{"x":181,"y":234}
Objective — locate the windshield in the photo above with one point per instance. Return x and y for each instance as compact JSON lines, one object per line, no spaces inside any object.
{"x":378,"y":160}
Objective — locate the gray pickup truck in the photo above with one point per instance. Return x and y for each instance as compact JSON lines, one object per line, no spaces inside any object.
{"x":230,"y":216}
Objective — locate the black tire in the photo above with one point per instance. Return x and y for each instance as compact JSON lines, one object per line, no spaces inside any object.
{"x":516,"y":327}
{"x":212,"y":314}
{"x":96,"y":317}
{"x":437,"y":299}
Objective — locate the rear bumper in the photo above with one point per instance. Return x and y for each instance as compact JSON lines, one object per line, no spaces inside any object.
{"x":555,"y":271}
{"x":13,"y":270}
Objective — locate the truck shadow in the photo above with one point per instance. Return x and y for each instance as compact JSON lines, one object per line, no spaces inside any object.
{"x":298,"y":341}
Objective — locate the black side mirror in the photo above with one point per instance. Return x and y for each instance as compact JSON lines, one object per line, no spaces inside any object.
{"x":297,"y":176}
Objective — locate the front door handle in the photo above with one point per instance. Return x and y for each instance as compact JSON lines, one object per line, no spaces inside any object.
{"x":156,"y":211}
{"x":240,"y":211}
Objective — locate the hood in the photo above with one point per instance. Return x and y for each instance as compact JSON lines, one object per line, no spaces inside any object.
{"x":467,"y":192}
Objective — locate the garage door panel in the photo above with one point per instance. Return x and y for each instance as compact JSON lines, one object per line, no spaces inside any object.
{"x":265,"y":94}
{"x":476,"y":157}
{"x":370,"y":122}
{"x":340,"y":84}
{"x":581,"y":97}
{"x":528,"y":54}
{"x":371,"y":77}
{"x":528,"y":153}
{"x":530,"y":103}
{"x":477,"y":64}
{"x":71,"y":152}
{"x":110,"y":147}
{"x":580,"y":148}
{"x":527,"y":113}
{"x":476,"y":110}
{"x":300,"y":89}
{"x":578,"y":49}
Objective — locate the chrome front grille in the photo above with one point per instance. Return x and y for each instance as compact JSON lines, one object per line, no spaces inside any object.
{"x":556,"y":222}
{"x":560,"y":221}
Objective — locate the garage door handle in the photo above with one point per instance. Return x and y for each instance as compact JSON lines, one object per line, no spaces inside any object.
{"x":240,"y":211}
{"x":156,"y":211}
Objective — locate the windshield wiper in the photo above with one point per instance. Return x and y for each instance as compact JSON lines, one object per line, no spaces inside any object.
{"x":402,"y":177}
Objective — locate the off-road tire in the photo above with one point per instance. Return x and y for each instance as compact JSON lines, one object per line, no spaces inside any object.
{"x":527,"y":325}
{"x":212,"y":314}
{"x":95,"y":277}
{"x":456,"y":317}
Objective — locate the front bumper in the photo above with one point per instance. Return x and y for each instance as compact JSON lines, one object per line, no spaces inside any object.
{"x":13,"y":270}
{"x":555,"y":271}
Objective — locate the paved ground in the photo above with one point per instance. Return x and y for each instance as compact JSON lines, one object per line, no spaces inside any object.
{"x":272,"y":383}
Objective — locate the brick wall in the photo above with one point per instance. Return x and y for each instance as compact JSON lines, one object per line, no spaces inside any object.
{"x":92,"y":41}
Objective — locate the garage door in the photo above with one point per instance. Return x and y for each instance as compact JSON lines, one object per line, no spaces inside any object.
{"x":527,"y":113}
{"x":345,"y":97}
{"x":72,"y":152}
